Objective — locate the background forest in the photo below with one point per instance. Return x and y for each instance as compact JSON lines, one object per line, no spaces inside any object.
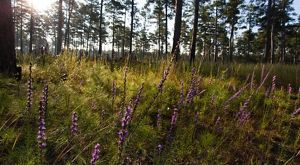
{"x":248,"y":31}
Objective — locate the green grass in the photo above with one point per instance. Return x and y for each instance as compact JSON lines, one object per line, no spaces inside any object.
{"x":270,"y":136}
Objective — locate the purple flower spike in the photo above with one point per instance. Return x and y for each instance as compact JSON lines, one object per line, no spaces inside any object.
{"x":95,"y":154}
{"x":243,"y":116}
{"x":29,"y":90}
{"x":41,"y":136}
{"x":163,"y":79}
{"x":192,"y":89}
{"x":123,"y":133}
{"x":74,"y":126}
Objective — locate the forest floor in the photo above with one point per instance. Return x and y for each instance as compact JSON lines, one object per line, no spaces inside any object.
{"x":149,"y":113}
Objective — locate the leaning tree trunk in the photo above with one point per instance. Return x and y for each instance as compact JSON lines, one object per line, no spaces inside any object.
{"x":7,"y":39}
{"x":177,"y":29}
{"x":195,"y":30}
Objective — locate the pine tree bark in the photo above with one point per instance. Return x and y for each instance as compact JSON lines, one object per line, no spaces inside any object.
{"x":177,"y":29}
{"x":100,"y":29}
{"x":231,"y":43}
{"x":216,"y":36}
{"x":59,"y":28}
{"x":195,"y":30}
{"x":31,"y":29}
{"x":166,"y":28}
{"x":131,"y":27}
{"x":267,"y":53}
{"x":7,"y":39}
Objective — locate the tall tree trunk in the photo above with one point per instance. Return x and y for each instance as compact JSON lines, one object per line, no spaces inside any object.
{"x":159,"y":33}
{"x":7,"y":38}
{"x":100,"y":28}
{"x":272,"y":51}
{"x":272,"y":47}
{"x":283,"y":33}
{"x":131,"y":27}
{"x":195,"y":30}
{"x":67,"y":34}
{"x":166,"y":27}
{"x":177,"y":29}
{"x":267,"y":52}
{"x":31,"y":29}
{"x":216,"y":35}
{"x":113,"y":37}
{"x":21,"y":31}
{"x":59,"y":28}
{"x":124,"y":34}
{"x":231,"y":43}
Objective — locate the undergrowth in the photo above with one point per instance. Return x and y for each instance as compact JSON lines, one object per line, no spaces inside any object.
{"x":221,"y":115}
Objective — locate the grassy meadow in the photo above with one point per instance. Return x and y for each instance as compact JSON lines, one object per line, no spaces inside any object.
{"x":147,"y":112}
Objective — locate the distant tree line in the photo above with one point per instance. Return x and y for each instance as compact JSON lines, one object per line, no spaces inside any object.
{"x":219,"y":30}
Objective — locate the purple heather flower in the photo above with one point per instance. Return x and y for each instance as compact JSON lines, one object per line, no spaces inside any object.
{"x":243,"y":115}
{"x":41,"y":137}
{"x":123,"y":133}
{"x":273,"y":83}
{"x":296,"y":112}
{"x":137,"y":98}
{"x":95,"y":154}
{"x":127,"y":117}
{"x":74,"y":126}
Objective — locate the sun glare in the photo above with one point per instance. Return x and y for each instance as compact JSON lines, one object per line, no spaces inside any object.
{"x":41,"y":5}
